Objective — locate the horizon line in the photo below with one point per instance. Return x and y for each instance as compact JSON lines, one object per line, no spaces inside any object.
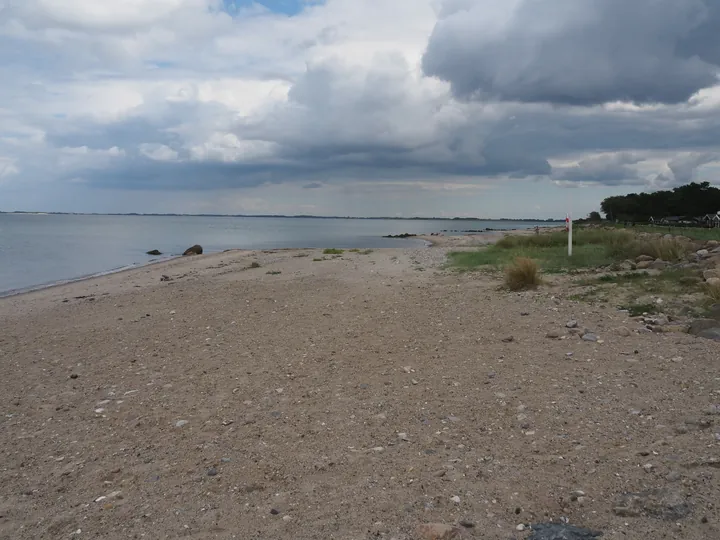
{"x":288,"y":216}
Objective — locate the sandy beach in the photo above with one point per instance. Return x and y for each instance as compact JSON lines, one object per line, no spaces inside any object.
{"x":348,"y":397}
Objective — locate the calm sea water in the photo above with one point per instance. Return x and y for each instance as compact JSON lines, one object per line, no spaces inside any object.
{"x":39,"y":250}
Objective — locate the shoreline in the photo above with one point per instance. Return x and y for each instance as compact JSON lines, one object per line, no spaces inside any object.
{"x":428,"y":241}
{"x":43,"y":286}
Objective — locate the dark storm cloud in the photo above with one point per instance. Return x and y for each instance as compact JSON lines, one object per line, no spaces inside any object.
{"x":577,"y":52}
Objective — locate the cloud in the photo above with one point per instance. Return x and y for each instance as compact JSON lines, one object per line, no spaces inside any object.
{"x":608,"y":169}
{"x":683,"y":168}
{"x":352,"y":103}
{"x":577,"y":52}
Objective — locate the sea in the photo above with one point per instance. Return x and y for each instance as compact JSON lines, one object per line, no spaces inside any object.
{"x":38,"y":250}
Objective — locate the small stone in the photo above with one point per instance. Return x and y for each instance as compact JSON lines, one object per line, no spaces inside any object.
{"x":520,"y":527}
{"x":713,"y":409}
{"x":287,"y":518}
{"x":673,"y":476}
{"x":571,"y":324}
{"x":455,"y":499}
{"x":662,"y":503}
{"x":403,"y":436}
{"x":181,"y":423}
{"x":508,"y":339}
{"x":408,"y":369}
{"x":561,"y":531}
{"x":437,"y":531}
{"x":274,"y":512}
{"x":225,"y":460}
{"x":649,"y":467}
{"x":702,"y":253}
{"x":212,"y":471}
{"x":74,"y":376}
{"x":279,"y":390}
{"x":589,"y":337}
{"x":623,"y":332}
{"x":553,"y":334}
{"x":440,"y":473}
{"x":414,"y":382}
{"x":466,"y":523}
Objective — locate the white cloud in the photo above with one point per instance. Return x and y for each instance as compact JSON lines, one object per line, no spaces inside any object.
{"x":177,"y":94}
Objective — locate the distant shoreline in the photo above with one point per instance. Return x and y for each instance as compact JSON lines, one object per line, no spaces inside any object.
{"x":520,"y":220}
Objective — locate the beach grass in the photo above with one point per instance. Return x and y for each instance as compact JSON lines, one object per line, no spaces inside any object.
{"x":591,"y":248}
{"x":694,"y":233}
{"x":522,"y":273}
{"x":713,"y":292}
{"x":333,"y":251}
{"x":551,"y":259}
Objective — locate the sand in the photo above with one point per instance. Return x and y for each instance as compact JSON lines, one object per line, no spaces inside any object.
{"x":349,"y":398}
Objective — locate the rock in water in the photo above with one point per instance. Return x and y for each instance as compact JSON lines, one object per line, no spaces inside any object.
{"x":437,"y":531}
{"x":154,"y":252}
{"x":195,"y":250}
{"x":557,"y":531}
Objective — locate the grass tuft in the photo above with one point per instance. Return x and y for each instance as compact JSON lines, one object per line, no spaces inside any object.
{"x":713,"y":291}
{"x":333,"y":251}
{"x":522,"y":274}
{"x":635,"y":310}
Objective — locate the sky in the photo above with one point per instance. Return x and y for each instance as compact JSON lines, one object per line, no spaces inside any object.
{"x":482,"y":108}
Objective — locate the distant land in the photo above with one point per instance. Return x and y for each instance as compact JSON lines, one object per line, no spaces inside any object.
{"x":303,"y":216}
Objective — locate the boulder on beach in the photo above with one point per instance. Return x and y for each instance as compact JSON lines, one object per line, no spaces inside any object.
{"x":154,"y":252}
{"x":194,"y":250}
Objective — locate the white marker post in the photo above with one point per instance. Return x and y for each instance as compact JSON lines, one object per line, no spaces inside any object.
{"x":569,"y":222}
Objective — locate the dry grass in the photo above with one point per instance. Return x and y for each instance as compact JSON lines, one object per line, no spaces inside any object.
{"x":523,"y":273}
{"x":713,"y":291}
{"x":667,"y":249}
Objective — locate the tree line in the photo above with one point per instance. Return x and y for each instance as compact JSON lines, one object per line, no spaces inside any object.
{"x":691,"y":200}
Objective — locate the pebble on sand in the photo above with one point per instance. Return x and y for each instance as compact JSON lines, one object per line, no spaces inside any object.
{"x":181,"y":423}
{"x":437,"y":531}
